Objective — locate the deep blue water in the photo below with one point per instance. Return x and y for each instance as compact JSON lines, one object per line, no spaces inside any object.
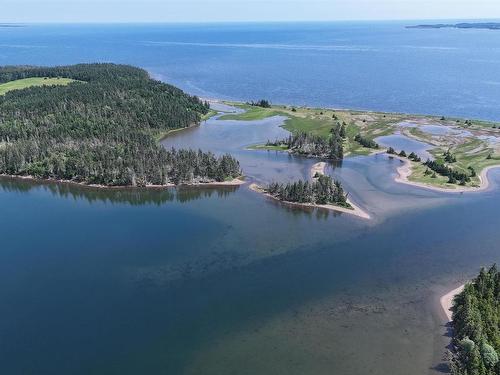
{"x":224,"y":281}
{"x":377,"y":66}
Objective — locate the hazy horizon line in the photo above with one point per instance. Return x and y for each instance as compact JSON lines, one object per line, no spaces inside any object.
{"x":11,"y":23}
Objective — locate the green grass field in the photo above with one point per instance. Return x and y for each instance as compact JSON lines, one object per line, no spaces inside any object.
{"x":268,"y":148}
{"x":251,"y":113}
{"x":311,"y":125}
{"x":210,"y":113}
{"x":30,"y":82}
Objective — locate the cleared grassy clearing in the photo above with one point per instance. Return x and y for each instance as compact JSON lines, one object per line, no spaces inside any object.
{"x":313,"y":125}
{"x":251,"y":113}
{"x":30,"y":82}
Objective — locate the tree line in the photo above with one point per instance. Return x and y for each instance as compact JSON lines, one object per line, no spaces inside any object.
{"x":365,"y":142}
{"x":476,"y":326}
{"x":322,"y":190}
{"x":102,"y":129}
{"x":453,"y":175}
{"x":302,"y":143}
{"x":412,"y":156}
{"x":263,"y":103}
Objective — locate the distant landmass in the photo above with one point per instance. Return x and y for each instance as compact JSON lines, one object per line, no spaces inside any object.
{"x":10,"y":25}
{"x":484,"y":25}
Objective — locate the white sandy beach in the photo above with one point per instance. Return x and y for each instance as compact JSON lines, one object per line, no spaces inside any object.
{"x":320,"y":169}
{"x":356,"y":211}
{"x":447,"y":301}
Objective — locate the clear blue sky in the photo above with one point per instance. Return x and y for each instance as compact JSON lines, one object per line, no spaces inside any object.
{"x":241,"y":10}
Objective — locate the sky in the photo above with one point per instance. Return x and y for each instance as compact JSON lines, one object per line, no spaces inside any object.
{"x":23,"y":11}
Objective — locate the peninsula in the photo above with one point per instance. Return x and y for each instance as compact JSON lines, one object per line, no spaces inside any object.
{"x":99,"y":125}
{"x":322,"y":192}
{"x":436,"y":152}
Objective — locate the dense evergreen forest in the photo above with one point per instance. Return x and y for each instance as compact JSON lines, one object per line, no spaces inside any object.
{"x":102,"y":129}
{"x":322,"y":190}
{"x":365,"y":142}
{"x":263,"y":103}
{"x":317,"y":146}
{"x":476,"y":326}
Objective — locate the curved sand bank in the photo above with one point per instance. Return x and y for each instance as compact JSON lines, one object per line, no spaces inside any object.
{"x":405,"y":171}
{"x":320,"y":169}
{"x":447,"y":301}
{"x":355,"y":210}
{"x":234,"y":182}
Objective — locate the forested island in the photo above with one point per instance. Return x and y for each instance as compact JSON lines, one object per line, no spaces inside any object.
{"x":321,"y":191}
{"x":476,"y":326}
{"x":100,"y":124}
{"x":330,"y":147}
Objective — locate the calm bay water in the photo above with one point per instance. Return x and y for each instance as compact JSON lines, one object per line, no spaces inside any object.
{"x":223,"y":281}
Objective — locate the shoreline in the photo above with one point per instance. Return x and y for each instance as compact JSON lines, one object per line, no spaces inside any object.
{"x":168,"y":133}
{"x":318,"y":168}
{"x":446,"y":301}
{"x":359,"y":110}
{"x":404,"y":172}
{"x":234,"y":182}
{"x":356,"y":211}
